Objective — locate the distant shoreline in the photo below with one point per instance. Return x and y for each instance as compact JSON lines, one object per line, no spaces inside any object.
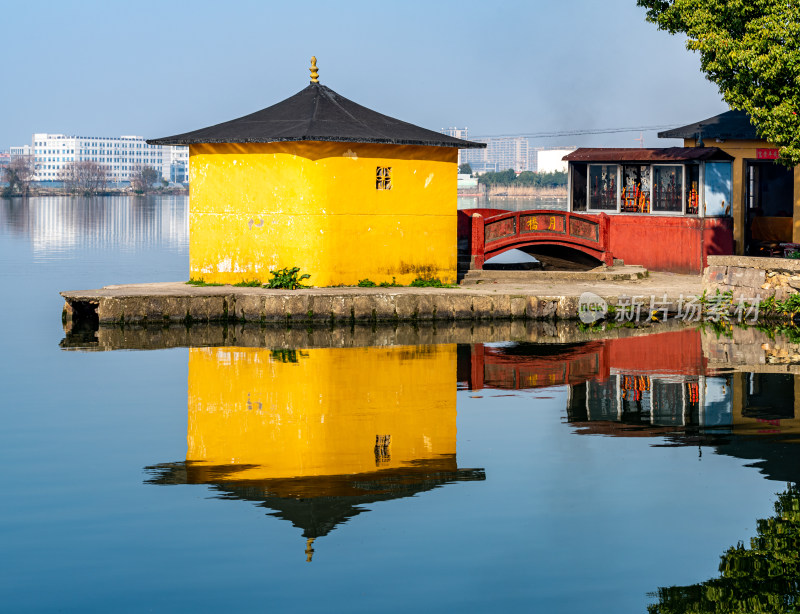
{"x":537,"y":192}
{"x":109,"y":192}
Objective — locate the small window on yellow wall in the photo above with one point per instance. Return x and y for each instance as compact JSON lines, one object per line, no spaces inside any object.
{"x":383,"y":178}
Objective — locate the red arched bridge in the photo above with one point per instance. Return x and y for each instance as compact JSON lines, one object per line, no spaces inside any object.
{"x":495,"y":234}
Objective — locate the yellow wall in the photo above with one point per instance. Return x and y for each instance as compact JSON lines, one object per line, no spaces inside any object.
{"x":319,"y":416}
{"x":260,"y":207}
{"x":742,"y":151}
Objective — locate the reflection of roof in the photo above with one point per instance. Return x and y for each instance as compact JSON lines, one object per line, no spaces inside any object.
{"x":316,"y":504}
{"x":728,"y":125}
{"x":778,"y":458}
{"x":638,"y":154}
{"x":317,"y":113}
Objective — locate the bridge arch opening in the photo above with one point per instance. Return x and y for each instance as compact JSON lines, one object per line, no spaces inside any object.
{"x":550,"y":257}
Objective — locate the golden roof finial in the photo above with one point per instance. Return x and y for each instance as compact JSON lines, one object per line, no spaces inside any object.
{"x":309,"y":549}
{"x":313,"y":69}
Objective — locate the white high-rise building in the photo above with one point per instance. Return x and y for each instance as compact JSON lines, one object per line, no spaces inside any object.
{"x":121,"y":156}
{"x":501,"y":153}
{"x":178,"y":164}
{"x":458,"y":133}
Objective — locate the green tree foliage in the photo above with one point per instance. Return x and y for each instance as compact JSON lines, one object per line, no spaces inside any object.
{"x":525,"y":178}
{"x":465,"y":169}
{"x":762,"y":578}
{"x":751,"y":50}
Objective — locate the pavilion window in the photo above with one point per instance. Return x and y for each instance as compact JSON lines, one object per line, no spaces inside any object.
{"x":383,"y":178}
{"x":578,"y":183}
{"x":692,"y":189}
{"x":603,"y":187}
{"x":635,"y":189}
{"x":668,"y":189}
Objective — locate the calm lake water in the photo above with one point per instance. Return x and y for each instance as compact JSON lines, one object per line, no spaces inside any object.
{"x":512,"y":203}
{"x":260,"y":471}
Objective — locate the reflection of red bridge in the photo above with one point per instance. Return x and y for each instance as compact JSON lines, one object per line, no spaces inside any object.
{"x":528,"y":365}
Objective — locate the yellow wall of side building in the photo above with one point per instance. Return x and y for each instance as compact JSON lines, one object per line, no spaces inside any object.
{"x":313,"y":205}
{"x":743,"y":150}
{"x":266,"y":417}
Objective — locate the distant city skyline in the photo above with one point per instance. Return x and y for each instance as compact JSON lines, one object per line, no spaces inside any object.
{"x":504,"y":68}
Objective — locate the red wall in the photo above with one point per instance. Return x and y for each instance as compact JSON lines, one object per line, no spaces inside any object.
{"x":658,"y":243}
{"x":674,"y":244}
{"x":672,"y":352}
{"x":465,"y":222}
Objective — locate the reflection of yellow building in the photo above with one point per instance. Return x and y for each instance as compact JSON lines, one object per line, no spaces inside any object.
{"x":334,"y":411}
{"x":315,"y":434}
{"x":766,"y":404}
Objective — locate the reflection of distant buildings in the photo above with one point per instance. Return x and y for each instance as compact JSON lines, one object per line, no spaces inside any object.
{"x":57,"y":223}
{"x":316,"y":434}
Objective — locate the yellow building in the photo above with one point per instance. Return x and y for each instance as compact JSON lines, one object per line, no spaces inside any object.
{"x":765,"y":195}
{"x":321,"y":183}
{"x":316,"y":434}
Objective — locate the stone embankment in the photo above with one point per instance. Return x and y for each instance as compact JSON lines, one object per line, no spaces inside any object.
{"x":752,"y":277}
{"x":753,"y":350}
{"x":531,"y":298}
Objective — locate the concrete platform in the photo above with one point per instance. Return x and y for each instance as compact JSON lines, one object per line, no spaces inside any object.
{"x":617,"y":273}
{"x":544,"y":299}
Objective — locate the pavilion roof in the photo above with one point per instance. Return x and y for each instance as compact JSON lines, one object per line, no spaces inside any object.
{"x":317,"y":113}
{"x":639,"y":154}
{"x":728,"y":125}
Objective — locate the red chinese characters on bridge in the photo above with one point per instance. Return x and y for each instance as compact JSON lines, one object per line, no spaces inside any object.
{"x":555,"y":223}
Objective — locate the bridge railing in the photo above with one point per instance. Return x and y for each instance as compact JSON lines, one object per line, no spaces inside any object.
{"x":493,"y":235}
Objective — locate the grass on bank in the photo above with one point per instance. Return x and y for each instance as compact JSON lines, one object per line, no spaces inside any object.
{"x":290,"y":279}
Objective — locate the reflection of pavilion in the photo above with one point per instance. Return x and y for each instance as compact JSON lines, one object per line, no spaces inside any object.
{"x":655,"y":384}
{"x":315,"y":434}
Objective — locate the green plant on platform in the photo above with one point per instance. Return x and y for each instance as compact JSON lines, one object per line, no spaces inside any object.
{"x":390,"y":284}
{"x":366,"y":283}
{"x":430,"y":282}
{"x":287,"y":279}
{"x":200,"y":283}
{"x":248,"y":284}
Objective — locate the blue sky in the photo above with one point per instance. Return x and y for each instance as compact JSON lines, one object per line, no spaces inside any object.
{"x":160,"y":68}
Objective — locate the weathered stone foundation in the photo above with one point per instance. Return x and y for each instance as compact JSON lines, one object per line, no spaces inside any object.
{"x":752,"y":277}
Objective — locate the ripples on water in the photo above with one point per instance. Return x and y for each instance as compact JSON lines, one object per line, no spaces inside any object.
{"x":241,"y":468}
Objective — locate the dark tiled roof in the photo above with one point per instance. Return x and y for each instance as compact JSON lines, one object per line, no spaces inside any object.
{"x":317,"y":113}
{"x":636,"y":154}
{"x":728,"y":125}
